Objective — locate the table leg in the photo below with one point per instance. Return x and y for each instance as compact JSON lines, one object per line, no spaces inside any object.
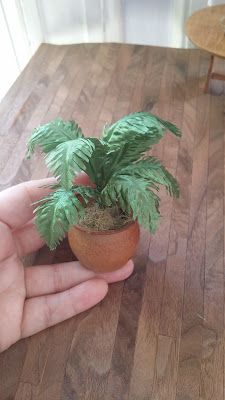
{"x":209,"y":74}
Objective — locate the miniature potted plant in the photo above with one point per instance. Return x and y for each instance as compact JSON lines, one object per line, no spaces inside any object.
{"x":102,"y":220}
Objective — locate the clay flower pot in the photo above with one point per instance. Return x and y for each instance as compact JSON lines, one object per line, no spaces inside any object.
{"x":107,"y":250}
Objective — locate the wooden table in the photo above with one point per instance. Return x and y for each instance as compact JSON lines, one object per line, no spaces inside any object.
{"x":205,"y":30}
{"x":160,"y":334}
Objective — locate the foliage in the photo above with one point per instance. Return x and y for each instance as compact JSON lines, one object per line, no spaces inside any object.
{"x":117,"y":165}
{"x":58,"y":211}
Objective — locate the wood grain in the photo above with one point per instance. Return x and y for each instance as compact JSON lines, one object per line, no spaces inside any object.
{"x":212,"y":352}
{"x":160,"y":334}
{"x":205,"y":30}
{"x":189,"y":368}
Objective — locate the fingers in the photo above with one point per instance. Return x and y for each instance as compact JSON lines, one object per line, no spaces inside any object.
{"x":119,"y":274}
{"x":26,"y":236}
{"x":83,"y":180}
{"x":42,"y":312}
{"x":16,"y":202}
{"x":7,"y":244}
{"x":27,"y":239}
{"x":46,"y":279}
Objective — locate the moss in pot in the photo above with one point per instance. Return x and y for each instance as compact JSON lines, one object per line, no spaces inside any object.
{"x":102,"y":220}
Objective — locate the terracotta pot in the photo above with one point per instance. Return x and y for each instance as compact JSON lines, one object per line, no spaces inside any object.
{"x":107,"y":250}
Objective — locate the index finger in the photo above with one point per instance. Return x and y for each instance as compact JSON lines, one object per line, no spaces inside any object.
{"x":16,"y":202}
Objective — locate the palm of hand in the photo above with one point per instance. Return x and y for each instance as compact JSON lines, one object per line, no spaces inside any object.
{"x":12,"y":289}
{"x":34,"y":298}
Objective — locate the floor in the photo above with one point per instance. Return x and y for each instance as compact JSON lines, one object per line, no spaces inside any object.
{"x":159,"y":335}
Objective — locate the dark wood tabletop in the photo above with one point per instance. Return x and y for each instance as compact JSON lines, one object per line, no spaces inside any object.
{"x":160,"y":334}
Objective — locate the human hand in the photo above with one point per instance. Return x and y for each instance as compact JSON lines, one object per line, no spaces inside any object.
{"x":34,"y":298}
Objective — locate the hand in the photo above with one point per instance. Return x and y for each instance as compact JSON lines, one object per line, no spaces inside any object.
{"x":34,"y":298}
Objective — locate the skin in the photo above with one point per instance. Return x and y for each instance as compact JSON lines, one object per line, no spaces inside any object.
{"x":35,"y":298}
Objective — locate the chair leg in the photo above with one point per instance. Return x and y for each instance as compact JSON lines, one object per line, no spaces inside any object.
{"x":209,"y":74}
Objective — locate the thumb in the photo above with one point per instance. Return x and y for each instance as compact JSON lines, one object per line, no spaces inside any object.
{"x":83,"y":179}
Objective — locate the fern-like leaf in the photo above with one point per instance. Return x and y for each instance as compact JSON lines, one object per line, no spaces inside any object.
{"x":96,"y":167}
{"x":68,"y":158}
{"x":170,"y":127}
{"x":50,"y":135}
{"x":153,"y":172}
{"x":122,"y":156}
{"x":87,"y":193}
{"x":57,"y":212}
{"x":144,"y":124}
{"x":130,"y":137}
{"x":133,"y":196}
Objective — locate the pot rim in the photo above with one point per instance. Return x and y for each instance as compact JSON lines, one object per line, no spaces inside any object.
{"x":106,"y":232}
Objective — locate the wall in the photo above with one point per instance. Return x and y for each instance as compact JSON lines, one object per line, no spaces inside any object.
{"x":69,"y":21}
{"x":155,"y":22}
{"x":20,"y":36}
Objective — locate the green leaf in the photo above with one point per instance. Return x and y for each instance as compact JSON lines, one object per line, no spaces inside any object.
{"x":123,"y":155}
{"x":85,"y":192}
{"x":58,"y":212}
{"x":153,"y":172}
{"x":148,"y":126}
{"x":170,"y":127}
{"x":68,"y":158}
{"x":130,"y":137}
{"x":50,"y":135}
{"x":109,"y":159}
{"x":133,"y":195}
{"x":96,"y":167}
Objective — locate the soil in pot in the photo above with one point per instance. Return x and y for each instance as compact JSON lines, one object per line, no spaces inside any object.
{"x":105,"y":239}
{"x":104,"y":219}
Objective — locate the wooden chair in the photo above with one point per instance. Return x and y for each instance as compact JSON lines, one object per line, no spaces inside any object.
{"x":216,"y":71}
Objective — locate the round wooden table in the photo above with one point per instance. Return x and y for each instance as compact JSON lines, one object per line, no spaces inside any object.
{"x":205,"y":29}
